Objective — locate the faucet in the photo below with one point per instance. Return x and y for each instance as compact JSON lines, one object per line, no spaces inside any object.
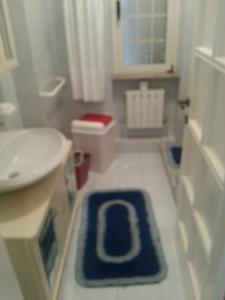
{"x":1,"y":121}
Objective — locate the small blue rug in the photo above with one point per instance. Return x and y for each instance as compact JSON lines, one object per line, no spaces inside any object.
{"x":175,"y":154}
{"x":119,"y":242}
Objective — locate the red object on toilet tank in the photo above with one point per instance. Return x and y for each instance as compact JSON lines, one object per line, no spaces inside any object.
{"x":82,"y":171}
{"x":99,"y":118}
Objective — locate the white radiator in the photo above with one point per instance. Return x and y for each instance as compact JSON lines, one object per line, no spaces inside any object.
{"x":145,"y":108}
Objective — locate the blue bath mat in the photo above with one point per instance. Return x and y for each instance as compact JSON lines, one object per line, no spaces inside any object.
{"x":175,"y":154}
{"x":119,"y":243}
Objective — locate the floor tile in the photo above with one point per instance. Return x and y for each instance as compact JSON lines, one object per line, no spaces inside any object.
{"x":132,"y":170}
{"x":71,"y":290}
{"x":141,"y":292}
{"x":151,"y":159}
{"x":160,"y":193}
{"x":171,"y":288}
{"x":72,"y":252}
{"x":165,"y":215}
{"x":170,"y":251}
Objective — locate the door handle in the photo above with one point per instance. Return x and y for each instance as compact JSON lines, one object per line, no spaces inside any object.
{"x":118,"y":10}
{"x":184,"y":102}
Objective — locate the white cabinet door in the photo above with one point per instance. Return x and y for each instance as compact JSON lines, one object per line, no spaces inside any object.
{"x":202,"y":193}
{"x":8,"y":282}
{"x":61,"y":213}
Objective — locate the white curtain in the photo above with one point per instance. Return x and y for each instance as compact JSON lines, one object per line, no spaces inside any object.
{"x":88,"y":41}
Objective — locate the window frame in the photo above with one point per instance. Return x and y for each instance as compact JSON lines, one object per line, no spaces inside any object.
{"x":119,"y":68}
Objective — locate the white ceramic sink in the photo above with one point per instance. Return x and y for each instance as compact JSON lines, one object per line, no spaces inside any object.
{"x":28,"y":156}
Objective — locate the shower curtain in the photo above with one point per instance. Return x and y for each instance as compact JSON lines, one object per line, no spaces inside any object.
{"x":88,"y":41}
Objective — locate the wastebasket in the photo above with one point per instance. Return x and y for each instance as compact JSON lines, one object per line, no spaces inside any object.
{"x":82,"y":166}
{"x":94,"y":134}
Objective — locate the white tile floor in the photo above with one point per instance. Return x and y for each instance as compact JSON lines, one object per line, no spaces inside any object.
{"x":145,"y":171}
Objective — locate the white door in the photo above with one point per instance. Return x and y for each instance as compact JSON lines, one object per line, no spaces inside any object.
{"x":201,"y":226}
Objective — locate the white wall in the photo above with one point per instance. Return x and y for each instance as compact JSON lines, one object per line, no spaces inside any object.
{"x":24,"y":75}
{"x":9,"y":288}
{"x":40,"y":19}
{"x":188,"y":8}
{"x":41,"y":47}
{"x":8,"y":94}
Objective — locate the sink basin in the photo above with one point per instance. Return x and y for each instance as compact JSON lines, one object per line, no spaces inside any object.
{"x":29,"y":156}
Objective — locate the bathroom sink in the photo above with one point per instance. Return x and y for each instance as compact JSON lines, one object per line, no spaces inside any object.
{"x":28,"y":156}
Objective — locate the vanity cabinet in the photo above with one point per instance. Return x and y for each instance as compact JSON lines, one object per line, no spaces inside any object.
{"x":36,"y":224}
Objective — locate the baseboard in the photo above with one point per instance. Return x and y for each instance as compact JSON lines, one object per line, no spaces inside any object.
{"x":138,"y":145}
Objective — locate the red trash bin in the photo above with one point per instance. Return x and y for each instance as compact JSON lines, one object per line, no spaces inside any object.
{"x":82,"y":171}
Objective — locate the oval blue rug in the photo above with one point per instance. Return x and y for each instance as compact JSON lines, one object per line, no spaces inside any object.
{"x":119,"y":242}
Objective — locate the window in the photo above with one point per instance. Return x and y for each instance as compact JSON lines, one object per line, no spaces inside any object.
{"x":144,"y":35}
{"x":7,"y":50}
